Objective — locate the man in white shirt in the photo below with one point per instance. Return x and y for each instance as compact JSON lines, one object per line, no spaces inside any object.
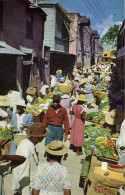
{"x":26,"y":148}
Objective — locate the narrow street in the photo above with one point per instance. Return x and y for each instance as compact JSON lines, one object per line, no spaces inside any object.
{"x":73,"y":163}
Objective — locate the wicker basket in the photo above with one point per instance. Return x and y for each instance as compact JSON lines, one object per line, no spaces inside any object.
{"x":18,"y":138}
{"x":65,"y":88}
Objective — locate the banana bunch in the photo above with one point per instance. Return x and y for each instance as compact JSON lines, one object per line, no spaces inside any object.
{"x":115,"y":135}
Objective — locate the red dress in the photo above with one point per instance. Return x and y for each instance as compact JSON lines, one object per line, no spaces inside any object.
{"x":77,"y":130}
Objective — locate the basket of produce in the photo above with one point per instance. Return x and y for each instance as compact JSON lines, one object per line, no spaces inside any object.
{"x":18,"y":138}
{"x":65,"y":88}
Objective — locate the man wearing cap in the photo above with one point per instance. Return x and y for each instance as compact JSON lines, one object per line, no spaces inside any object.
{"x":26,"y":148}
{"x":55,"y":116}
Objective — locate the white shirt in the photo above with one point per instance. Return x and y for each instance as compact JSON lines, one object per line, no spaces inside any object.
{"x":24,"y":171}
{"x":6,"y":122}
{"x":121,"y":139}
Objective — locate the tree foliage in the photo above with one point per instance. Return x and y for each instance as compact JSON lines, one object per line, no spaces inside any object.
{"x":110,"y":38}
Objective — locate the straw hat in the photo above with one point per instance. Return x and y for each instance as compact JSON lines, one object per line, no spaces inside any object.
{"x":37,"y":130}
{"x":31,"y":91}
{"x":99,"y":72}
{"x":4,"y":101}
{"x":59,"y":71}
{"x":56,"y":148}
{"x":82,"y":98}
{"x":115,"y":117}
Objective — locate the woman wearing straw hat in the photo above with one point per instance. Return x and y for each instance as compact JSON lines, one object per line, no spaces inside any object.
{"x":31,"y":95}
{"x":51,"y":178}
{"x":23,"y":173}
{"x":77,"y":130}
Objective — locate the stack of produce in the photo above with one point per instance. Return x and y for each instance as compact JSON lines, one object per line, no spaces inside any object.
{"x":85,"y":168}
{"x":41,"y":105}
{"x":5,"y":133}
{"x":104,"y":146}
{"x":97,"y":117}
{"x":104,"y":106}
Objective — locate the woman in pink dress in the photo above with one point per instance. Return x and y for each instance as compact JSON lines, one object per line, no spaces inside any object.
{"x":77,"y":130}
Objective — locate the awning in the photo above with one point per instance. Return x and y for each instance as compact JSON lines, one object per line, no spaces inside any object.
{"x":26,"y":50}
{"x":7,"y":49}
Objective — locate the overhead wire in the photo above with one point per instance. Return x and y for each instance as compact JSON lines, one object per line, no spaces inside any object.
{"x":95,"y":14}
{"x":101,"y":10}
{"x":105,"y":19}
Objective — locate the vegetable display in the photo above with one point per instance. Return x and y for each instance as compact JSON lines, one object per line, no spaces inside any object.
{"x":96,"y":116}
{"x":103,"y":189}
{"x":85,"y":168}
{"x":5,"y":133}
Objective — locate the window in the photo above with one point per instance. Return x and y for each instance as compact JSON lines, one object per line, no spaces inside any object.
{"x":105,"y":54}
{"x":1,"y":15}
{"x":29,"y":24}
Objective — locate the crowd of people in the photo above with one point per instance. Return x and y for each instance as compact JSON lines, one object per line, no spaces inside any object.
{"x":67,"y":115}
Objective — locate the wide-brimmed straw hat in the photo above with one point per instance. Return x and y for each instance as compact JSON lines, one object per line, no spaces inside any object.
{"x":56,"y":148}
{"x":59,"y":71}
{"x":4,"y":101}
{"x":31,"y":91}
{"x":37,"y":130}
{"x":115,"y":117}
{"x":82,"y":98}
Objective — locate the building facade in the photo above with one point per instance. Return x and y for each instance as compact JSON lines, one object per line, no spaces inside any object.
{"x":57,"y":37}
{"x":121,"y":56}
{"x":22,"y":28}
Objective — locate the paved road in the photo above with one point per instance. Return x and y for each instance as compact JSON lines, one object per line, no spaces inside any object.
{"x":73,"y":163}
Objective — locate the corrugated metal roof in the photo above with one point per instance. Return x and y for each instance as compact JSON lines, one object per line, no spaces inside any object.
{"x":7,"y":49}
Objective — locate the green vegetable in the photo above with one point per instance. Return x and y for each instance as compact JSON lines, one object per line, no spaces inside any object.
{"x":85,"y":168}
{"x":6,"y":134}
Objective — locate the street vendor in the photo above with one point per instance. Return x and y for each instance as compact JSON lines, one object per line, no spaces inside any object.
{"x":19,"y":121}
{"x":22,"y":174}
{"x":4,"y":116}
{"x":44,"y":90}
{"x":76,"y":86}
{"x":55,"y":116}
{"x":31,"y":95}
{"x":58,"y":74}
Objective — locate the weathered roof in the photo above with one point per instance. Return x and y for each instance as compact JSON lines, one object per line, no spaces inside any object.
{"x":26,"y":50}
{"x":7,"y":49}
{"x":57,"y":5}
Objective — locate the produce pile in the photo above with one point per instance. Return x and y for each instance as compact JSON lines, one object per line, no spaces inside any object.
{"x":103,"y":189}
{"x":104,"y":106}
{"x":41,"y":105}
{"x":85,"y":168}
{"x":104,"y":147}
{"x":5,"y":133}
{"x":97,"y":117}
